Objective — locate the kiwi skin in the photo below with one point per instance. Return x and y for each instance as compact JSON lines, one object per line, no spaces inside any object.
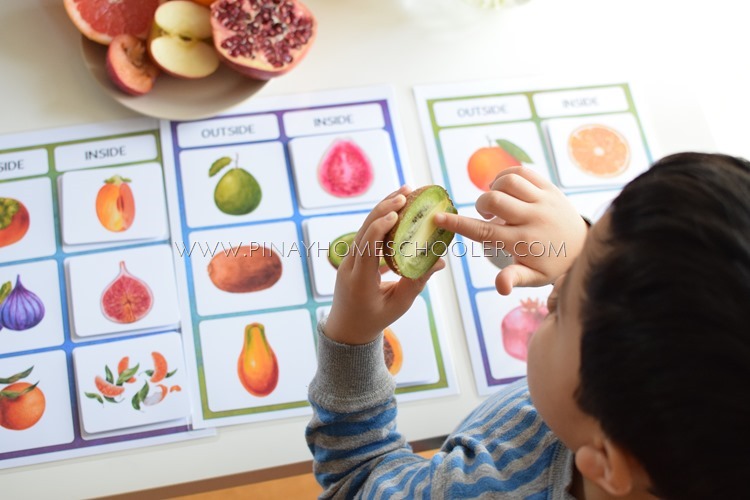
{"x":389,"y":242}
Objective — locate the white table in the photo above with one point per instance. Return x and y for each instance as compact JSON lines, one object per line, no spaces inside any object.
{"x":690,"y":56}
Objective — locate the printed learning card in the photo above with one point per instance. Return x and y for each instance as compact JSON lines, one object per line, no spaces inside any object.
{"x":88,"y":296}
{"x":588,"y":139}
{"x":261,"y":197}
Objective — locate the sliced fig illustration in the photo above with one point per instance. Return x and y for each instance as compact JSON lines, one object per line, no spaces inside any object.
{"x":345,"y":170}
{"x":415,"y":243}
{"x":127,"y":299}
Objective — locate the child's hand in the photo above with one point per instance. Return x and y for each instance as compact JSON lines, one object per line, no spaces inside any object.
{"x":363,"y":306}
{"x":524,"y":208}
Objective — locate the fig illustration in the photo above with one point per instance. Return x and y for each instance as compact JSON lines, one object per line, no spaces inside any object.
{"x":257,"y":366}
{"x":415,"y":243}
{"x":237,"y":192}
{"x":14,"y":221}
{"x":115,"y":205}
{"x":520,"y":324}
{"x":245,"y":269}
{"x":260,"y":39}
{"x":21,"y":309}
{"x":345,"y":170}
{"x":392,"y":351}
{"x":127,"y":299}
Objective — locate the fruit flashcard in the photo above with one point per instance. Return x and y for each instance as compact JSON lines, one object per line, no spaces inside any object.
{"x":122,"y":291}
{"x":131,"y":383}
{"x":85,"y":257}
{"x":114,"y":204}
{"x":35,"y":402}
{"x":262,"y":194}
{"x":588,"y":139}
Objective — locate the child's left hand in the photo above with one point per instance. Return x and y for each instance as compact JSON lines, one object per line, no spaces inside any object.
{"x":363,"y":306}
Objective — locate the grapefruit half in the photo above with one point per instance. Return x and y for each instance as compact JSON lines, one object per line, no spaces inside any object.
{"x":102,"y":20}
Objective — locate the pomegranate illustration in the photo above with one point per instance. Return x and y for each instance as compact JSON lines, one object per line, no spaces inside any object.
{"x":520,"y":324}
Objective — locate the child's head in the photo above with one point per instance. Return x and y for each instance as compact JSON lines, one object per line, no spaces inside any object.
{"x":643,"y":367}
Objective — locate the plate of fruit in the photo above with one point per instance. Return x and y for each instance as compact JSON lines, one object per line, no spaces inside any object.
{"x":190,"y":59}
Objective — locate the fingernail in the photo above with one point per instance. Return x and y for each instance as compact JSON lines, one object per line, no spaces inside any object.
{"x":440,"y":218}
{"x":399,"y":199}
{"x":391,"y":216}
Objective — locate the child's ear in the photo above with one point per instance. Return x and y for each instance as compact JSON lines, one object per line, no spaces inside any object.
{"x":607,"y":465}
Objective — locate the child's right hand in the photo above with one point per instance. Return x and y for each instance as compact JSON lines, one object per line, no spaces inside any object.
{"x":523,"y":208}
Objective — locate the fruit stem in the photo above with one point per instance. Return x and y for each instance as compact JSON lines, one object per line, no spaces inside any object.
{"x":236,"y":160}
{"x":489,"y":141}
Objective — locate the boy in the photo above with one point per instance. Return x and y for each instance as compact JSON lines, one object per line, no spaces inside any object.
{"x":637,"y":380}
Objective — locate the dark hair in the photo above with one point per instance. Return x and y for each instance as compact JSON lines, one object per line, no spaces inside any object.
{"x":665,"y":349}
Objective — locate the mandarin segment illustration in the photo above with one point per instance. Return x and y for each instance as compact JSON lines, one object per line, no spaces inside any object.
{"x":153,"y":391}
{"x":345,"y":171}
{"x":22,"y":404}
{"x":14,"y":221}
{"x":127,"y":298}
{"x":519,"y":325}
{"x":599,"y":150}
{"x":115,"y":204}
{"x":257,"y":366}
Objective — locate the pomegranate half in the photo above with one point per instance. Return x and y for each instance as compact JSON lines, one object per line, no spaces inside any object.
{"x":262,"y":38}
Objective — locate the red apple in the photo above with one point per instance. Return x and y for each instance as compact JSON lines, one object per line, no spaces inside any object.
{"x":128,"y":65}
{"x":178,"y":40}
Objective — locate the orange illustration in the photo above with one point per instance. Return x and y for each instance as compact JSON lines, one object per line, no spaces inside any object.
{"x":115,"y":205}
{"x":486,"y":163}
{"x":257,"y":366}
{"x":14,"y":221}
{"x":392,"y":352}
{"x":599,"y":150}
{"x":21,"y":404}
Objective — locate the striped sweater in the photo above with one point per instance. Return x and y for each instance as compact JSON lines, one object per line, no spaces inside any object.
{"x":502,"y":449}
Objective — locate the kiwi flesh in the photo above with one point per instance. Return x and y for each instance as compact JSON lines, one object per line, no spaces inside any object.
{"x":415,"y":243}
{"x":339,"y":247}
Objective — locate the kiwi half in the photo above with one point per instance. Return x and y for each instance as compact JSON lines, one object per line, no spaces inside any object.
{"x":339,"y":248}
{"x":415,"y":243}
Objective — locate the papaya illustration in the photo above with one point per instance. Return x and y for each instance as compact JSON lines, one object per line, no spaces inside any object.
{"x":257,"y":366}
{"x":392,"y":352}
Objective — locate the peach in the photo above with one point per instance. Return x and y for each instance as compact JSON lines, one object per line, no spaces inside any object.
{"x":115,"y":206}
